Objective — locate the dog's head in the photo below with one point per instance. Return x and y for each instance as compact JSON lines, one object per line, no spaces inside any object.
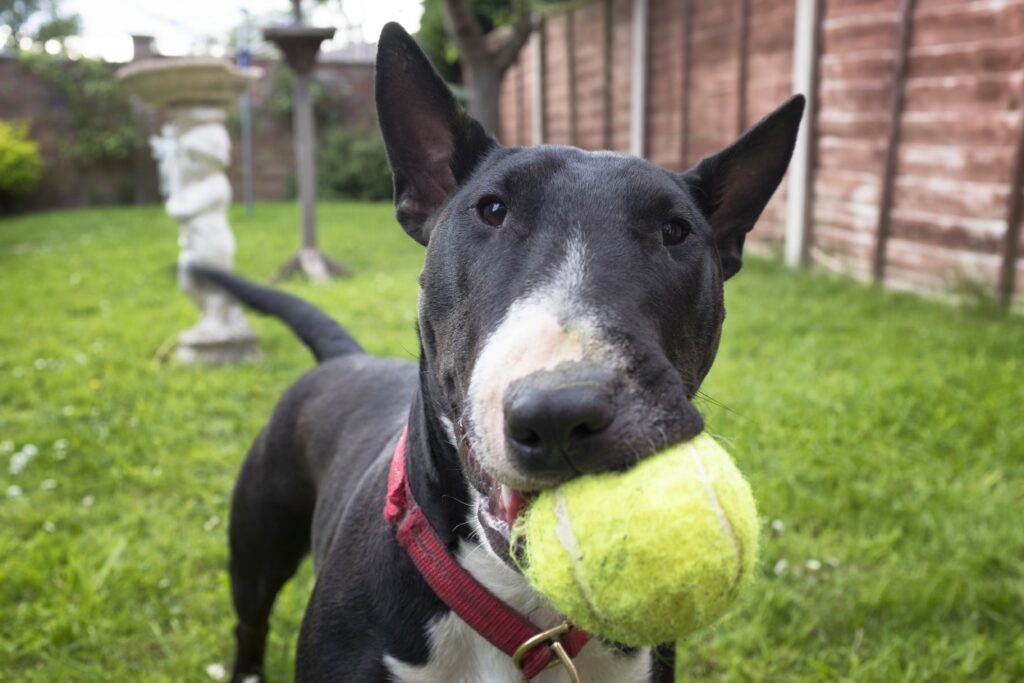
{"x":571,"y":302}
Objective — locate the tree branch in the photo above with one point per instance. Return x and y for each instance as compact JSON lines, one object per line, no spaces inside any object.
{"x":464,"y":29}
{"x":507,"y":52}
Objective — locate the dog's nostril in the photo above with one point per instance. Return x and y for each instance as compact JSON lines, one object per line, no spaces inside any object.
{"x":584,"y":430}
{"x":544,"y":424}
{"x":525,"y":438}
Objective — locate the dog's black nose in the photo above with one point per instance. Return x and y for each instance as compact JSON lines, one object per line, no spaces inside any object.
{"x":555,"y":421}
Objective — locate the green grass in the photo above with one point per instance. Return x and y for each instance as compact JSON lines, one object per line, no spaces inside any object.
{"x":883,"y":433}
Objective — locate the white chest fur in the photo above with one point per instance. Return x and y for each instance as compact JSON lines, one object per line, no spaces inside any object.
{"x":458,"y":654}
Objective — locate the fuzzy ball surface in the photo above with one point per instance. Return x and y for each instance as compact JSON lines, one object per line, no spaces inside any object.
{"x":645,"y":556}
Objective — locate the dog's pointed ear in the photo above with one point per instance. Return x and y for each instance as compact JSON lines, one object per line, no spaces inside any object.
{"x":431,"y":142}
{"x":733,"y":186}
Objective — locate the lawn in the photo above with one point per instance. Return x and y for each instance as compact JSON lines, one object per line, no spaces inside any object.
{"x":882,"y":434}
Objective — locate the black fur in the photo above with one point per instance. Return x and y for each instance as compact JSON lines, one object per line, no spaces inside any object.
{"x":324,"y":337}
{"x":315,"y":478}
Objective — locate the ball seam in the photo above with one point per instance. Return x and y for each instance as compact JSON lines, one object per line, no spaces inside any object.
{"x":716,"y":506}
{"x":567,"y":539}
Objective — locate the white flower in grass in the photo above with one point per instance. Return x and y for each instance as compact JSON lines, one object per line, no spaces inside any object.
{"x":832,"y":562}
{"x":212,"y":523}
{"x":812,"y":565}
{"x":19,"y":461}
{"x":252,"y":678}
{"x":88,"y":501}
{"x":49,"y":527}
{"x":60,"y":447}
{"x":13,"y":491}
{"x":778,"y":527}
{"x":780,"y":567}
{"x":48,"y":484}
{"x":216,"y":671}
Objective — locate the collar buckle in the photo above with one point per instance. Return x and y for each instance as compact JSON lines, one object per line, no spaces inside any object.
{"x":551,"y":637}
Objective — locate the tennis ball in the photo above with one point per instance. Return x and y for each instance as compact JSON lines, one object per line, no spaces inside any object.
{"x":645,"y":556}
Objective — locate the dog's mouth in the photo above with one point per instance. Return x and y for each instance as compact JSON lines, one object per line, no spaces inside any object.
{"x":498,"y":505}
{"x":497,"y":512}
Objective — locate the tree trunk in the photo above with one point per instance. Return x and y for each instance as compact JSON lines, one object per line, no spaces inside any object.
{"x":485,"y":58}
{"x":483,"y":92}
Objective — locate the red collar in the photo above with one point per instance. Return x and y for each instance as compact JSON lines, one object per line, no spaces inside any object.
{"x":533,"y":650}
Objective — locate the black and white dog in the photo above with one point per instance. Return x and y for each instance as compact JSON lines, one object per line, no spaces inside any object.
{"x":570,"y":305}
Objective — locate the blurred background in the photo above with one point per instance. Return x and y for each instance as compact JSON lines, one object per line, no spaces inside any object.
{"x":870,"y":380}
{"x":911,"y":173}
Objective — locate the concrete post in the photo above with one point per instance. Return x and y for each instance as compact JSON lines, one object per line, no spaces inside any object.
{"x":805,"y":68}
{"x":638,"y":77}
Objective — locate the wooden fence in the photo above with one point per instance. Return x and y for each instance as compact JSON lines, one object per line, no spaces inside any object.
{"x":914,"y":142}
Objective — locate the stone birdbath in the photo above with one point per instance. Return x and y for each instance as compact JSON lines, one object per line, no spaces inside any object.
{"x":299,"y":44}
{"x":193,"y":152}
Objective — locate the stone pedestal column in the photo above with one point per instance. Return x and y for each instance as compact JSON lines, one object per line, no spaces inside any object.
{"x":193,"y":152}
{"x":300,"y":45}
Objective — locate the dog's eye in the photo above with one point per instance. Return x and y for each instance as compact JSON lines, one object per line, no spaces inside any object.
{"x":492,"y":210}
{"x":674,"y":232}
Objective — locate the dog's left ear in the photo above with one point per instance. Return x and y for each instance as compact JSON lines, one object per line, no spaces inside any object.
{"x":432,"y":143}
{"x":733,"y":186}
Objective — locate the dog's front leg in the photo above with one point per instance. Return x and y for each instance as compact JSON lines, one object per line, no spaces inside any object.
{"x":663,"y":664}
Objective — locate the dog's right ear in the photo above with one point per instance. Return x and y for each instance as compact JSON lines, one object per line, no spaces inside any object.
{"x":431,"y":142}
{"x":733,"y":186}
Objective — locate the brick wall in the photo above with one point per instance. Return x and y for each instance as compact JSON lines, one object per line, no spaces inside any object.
{"x":958,"y":131}
{"x":24,"y":96}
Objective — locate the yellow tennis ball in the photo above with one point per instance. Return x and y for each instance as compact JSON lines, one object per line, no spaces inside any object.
{"x":645,"y":556}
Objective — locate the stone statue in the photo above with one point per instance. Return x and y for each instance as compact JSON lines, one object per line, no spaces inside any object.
{"x":193,"y":151}
{"x":199,"y":198}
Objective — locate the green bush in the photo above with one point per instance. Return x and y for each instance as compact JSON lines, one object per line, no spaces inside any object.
{"x":21,"y":168}
{"x":104,"y":126}
{"x":353,"y":165}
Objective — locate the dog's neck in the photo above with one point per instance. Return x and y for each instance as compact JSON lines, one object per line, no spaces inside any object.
{"x":434,"y":470}
{"x":440,"y":488}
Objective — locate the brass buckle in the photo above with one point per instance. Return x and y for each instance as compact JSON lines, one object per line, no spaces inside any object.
{"x":561,"y":656}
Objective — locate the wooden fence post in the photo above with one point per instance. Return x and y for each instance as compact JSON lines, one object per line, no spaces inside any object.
{"x":608,"y":27}
{"x":638,"y":89}
{"x":892,"y":151}
{"x":570,"y":57}
{"x":806,"y":34}
{"x":1011,"y":240}
{"x":686,"y":16}
{"x":742,"y":66}
{"x":539,"y":84}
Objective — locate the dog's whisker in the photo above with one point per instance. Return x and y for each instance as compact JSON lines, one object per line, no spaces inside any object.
{"x":715,"y":402}
{"x":457,"y":500}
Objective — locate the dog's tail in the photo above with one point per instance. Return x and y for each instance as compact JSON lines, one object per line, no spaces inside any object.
{"x":318,"y":331}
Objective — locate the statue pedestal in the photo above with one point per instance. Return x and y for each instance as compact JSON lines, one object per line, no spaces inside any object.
{"x":211,"y":350}
{"x":193,"y":152}
{"x":300,"y":44}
